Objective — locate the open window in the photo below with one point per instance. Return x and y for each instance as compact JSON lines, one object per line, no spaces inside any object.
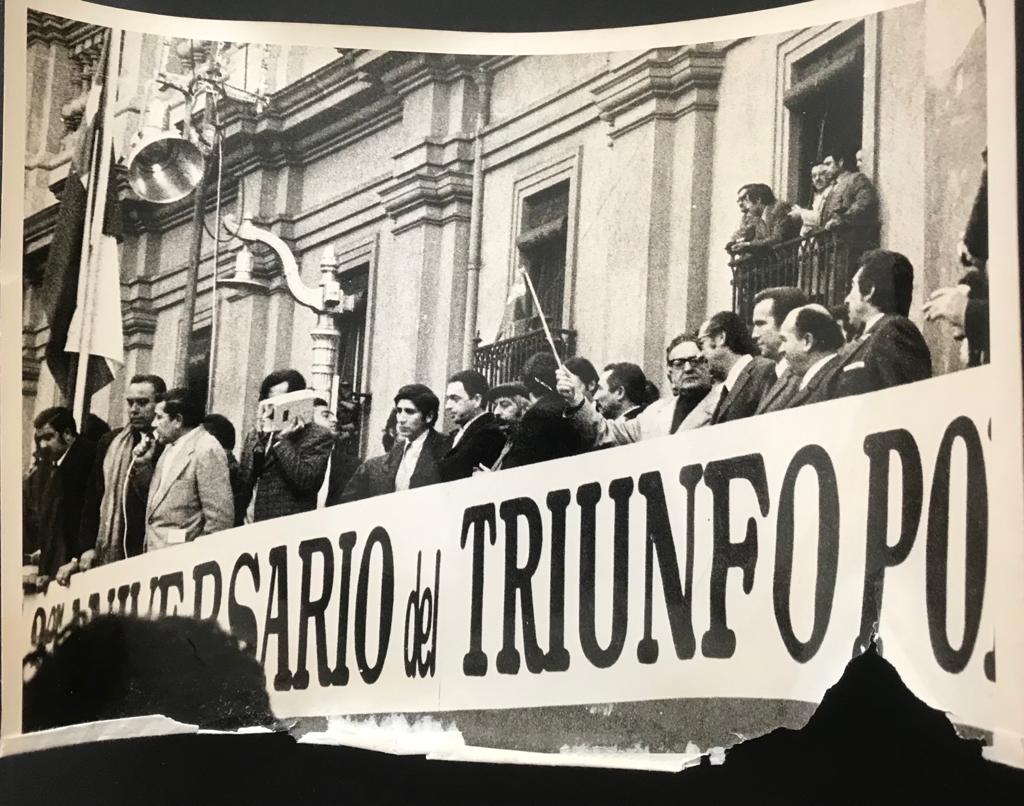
{"x":825,"y":100}
{"x":542,"y":249}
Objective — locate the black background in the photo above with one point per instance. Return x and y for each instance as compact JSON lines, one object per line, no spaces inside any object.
{"x":870,"y":740}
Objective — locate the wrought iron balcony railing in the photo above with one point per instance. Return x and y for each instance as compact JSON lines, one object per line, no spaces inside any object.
{"x":821,"y":264}
{"x":502,"y":361}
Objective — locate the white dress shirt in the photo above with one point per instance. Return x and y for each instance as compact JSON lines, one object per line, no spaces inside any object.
{"x":409,"y":459}
{"x":814,"y":368}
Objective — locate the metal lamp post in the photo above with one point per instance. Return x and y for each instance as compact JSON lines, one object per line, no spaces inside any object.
{"x":326,"y":299}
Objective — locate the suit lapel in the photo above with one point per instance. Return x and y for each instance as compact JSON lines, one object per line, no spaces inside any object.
{"x":733,"y":394}
{"x":179,"y":461}
{"x":775,"y":390}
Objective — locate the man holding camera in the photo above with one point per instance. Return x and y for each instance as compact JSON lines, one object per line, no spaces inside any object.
{"x":284,"y":466}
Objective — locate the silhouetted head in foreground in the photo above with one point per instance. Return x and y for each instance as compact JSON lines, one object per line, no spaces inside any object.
{"x":120,"y":666}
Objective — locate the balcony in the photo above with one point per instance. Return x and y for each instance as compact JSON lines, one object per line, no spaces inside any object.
{"x":822,"y":264}
{"x":501,"y":361}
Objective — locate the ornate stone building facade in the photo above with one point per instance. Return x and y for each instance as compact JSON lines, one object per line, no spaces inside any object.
{"x":610,"y":177}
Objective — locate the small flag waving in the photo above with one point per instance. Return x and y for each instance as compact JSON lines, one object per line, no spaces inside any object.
{"x":82,"y":280}
{"x":517,"y":311}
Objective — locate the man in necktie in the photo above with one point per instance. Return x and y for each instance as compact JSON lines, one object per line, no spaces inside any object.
{"x":771,"y":307}
{"x":890,"y":350}
{"x":413,"y":461}
{"x":728,"y":349}
{"x":811,"y":340}
{"x":477,"y":439}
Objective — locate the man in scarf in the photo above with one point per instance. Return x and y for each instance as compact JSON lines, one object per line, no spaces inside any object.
{"x":115,"y":512}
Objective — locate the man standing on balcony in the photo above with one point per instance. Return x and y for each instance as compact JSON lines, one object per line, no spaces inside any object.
{"x":691,"y":405}
{"x":413,"y":460}
{"x":771,"y":307}
{"x":811,"y":340}
{"x":851,"y":208}
{"x":728,"y":348}
{"x":810,"y":217}
{"x":477,"y":439}
{"x":620,"y":391}
{"x":890,"y":350}
{"x":544,"y":432}
{"x":779,"y":222}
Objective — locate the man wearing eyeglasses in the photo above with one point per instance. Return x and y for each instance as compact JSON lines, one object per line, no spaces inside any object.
{"x":691,"y":405}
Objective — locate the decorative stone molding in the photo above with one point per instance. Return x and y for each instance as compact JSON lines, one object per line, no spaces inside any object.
{"x":139,"y":325}
{"x":433,"y":181}
{"x":665,"y":82}
{"x":45,"y":28}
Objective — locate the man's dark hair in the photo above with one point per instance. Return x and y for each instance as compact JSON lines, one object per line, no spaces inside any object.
{"x":158,"y":384}
{"x":737,"y":337}
{"x":758,"y":193}
{"x":94,"y":427}
{"x":472,"y":381}
{"x":183,"y":403}
{"x":841,"y":314}
{"x":828,"y":335}
{"x":60,"y":419}
{"x":319,"y":401}
{"x":630,"y":378}
{"x":293,"y":378}
{"x":114,"y":667}
{"x":582,"y":369}
{"x":679,"y":339}
{"x":422,"y":398}
{"x":388,"y":435}
{"x":538,"y":374}
{"x":889,"y":278}
{"x":785,"y":298}
{"x":848,"y":156}
{"x":222,"y":429}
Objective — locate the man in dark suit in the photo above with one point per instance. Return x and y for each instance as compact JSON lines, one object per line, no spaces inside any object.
{"x":284,"y":470}
{"x":728,"y":348}
{"x":771,"y":307}
{"x":344,"y":460}
{"x":477,"y":439}
{"x":811,"y":341}
{"x":851,"y":207}
{"x":890,"y":350}
{"x":413,"y":461}
{"x":621,"y":391}
{"x":61,"y":500}
{"x":544,"y":432}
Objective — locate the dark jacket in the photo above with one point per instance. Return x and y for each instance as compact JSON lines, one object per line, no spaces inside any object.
{"x":286,"y":478}
{"x":893,"y":352}
{"x":742,"y":400}
{"x":376,"y":476}
{"x":852,"y":202}
{"x":61,"y":503}
{"x":480,"y":444}
{"x":543,"y":434}
{"x":777,"y":395}
{"x":821,"y":387}
{"x":340,"y":469}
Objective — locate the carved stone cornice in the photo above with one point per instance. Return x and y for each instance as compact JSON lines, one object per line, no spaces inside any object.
{"x":665,"y":82}
{"x":46,"y":29}
{"x":433,"y":181}
{"x":138,"y":323}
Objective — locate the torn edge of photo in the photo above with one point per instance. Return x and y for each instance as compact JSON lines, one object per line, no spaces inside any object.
{"x":585,"y":399}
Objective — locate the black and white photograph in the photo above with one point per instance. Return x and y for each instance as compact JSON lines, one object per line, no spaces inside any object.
{"x":594,"y":385}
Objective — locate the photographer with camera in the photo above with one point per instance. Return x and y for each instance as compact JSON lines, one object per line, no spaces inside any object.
{"x":285,"y":457}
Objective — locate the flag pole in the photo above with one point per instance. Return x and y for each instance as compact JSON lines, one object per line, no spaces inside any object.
{"x":543,"y":318}
{"x":99,"y":182}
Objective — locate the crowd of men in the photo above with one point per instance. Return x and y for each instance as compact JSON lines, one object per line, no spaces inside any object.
{"x":170,"y":474}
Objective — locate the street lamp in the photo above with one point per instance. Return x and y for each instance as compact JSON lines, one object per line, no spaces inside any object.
{"x":326,"y":299}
